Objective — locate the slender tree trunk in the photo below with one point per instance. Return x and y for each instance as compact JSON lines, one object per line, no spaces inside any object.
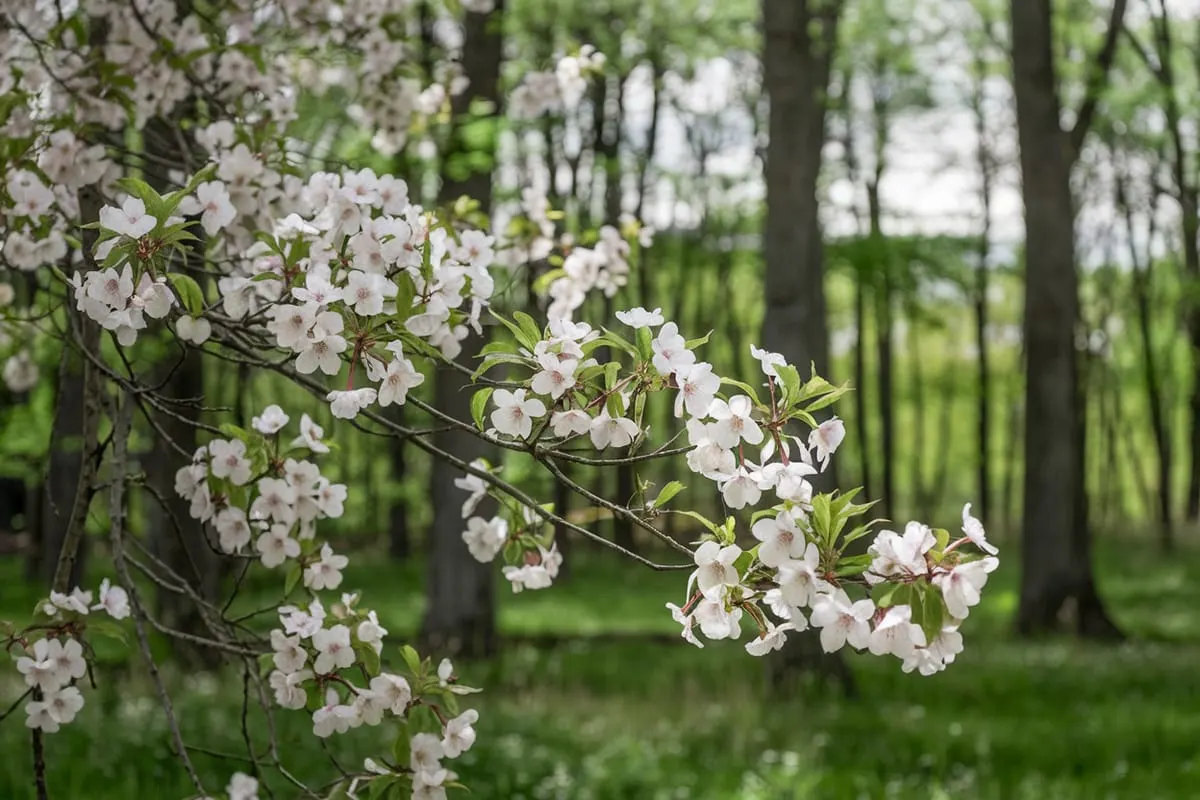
{"x":1056,"y":553}
{"x":883,"y":358}
{"x":460,"y":618}
{"x":799,"y":41}
{"x":861,"y":415}
{"x":982,"y":273}
{"x":1142,"y":288}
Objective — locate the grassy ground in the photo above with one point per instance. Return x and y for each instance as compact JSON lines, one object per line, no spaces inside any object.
{"x":637,"y":718}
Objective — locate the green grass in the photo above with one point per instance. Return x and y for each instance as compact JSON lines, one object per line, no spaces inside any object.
{"x":637,"y":718}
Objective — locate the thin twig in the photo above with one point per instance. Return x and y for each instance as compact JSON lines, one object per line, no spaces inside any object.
{"x":122,"y":420}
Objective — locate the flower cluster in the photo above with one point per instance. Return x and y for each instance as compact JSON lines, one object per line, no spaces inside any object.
{"x":52,"y":655}
{"x":906,"y":596}
{"x":326,"y":656}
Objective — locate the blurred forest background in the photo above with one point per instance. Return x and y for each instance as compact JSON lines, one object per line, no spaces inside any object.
{"x":869,"y":219}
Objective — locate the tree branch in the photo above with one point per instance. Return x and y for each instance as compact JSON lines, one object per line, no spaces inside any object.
{"x":1097,"y":79}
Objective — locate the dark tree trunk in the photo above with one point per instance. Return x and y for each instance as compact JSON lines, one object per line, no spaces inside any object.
{"x":460,"y":618}
{"x":1056,"y":554}
{"x":799,"y":40}
{"x":982,"y":273}
{"x":883,"y":357}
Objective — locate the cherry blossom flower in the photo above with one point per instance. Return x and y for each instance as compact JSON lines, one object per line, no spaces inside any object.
{"x":825,"y":439}
{"x":606,"y":431}
{"x":271,"y":421}
{"x":129,"y":220}
{"x":242,"y":787}
{"x":769,"y":640}
{"x":697,"y":387}
{"x":229,"y":460}
{"x":195,"y":330}
{"x":768,"y":361}
{"x":458,"y":735}
{"x":962,"y":585}
{"x":841,"y":621}
{"x":556,"y":377}
{"x":900,"y":555}
{"x":740,"y":489}
{"x":572,"y":422}
{"x":714,"y":565}
{"x":289,"y":692}
{"x":670,"y":350}
{"x":113,"y":599}
{"x":289,"y":656}
{"x":895,"y":634}
{"x":781,"y":539}
{"x":686,"y":620}
{"x":973,"y":529}
{"x":393,"y":691}
{"x":233,"y":530}
{"x":399,"y":378}
{"x":641,"y":318}
{"x":716,"y":618}
{"x":514,"y":414}
{"x":276,"y":546}
{"x":327,"y":572}
{"x":485,"y":538}
{"x":733,"y":422}
{"x":346,"y":405}
{"x":333,"y":649}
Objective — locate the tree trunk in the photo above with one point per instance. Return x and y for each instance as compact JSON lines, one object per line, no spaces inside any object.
{"x":460,"y":619}
{"x":799,"y":38}
{"x":1056,"y":558}
{"x":883,"y":357}
{"x":982,"y":273}
{"x":399,"y":536}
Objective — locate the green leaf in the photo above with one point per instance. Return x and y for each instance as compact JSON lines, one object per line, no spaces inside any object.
{"x":942,"y":536}
{"x":522,"y":338}
{"x":109,"y":630}
{"x":479,"y":404}
{"x":664,"y":496}
{"x":611,"y":370}
{"x":934,"y":613}
{"x":644,"y":344}
{"x":745,"y":387}
{"x":380,"y":786}
{"x":854,"y":565}
{"x":692,"y":344}
{"x":712,"y":528}
{"x":528,"y":327}
{"x":614,"y":340}
{"x":828,"y":399}
{"x":402,"y":747}
{"x":190,"y":295}
{"x":789,"y":378}
{"x":293,"y":577}
{"x":234,"y":432}
{"x":369,"y":658}
{"x":411,"y":659}
{"x":266,"y":664}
